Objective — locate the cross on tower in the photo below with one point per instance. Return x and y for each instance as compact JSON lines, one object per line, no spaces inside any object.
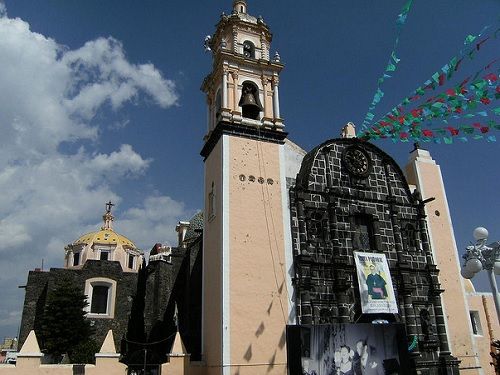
{"x":108,"y":206}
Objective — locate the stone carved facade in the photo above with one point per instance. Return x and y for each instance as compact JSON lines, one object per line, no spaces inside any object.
{"x":351,"y":196}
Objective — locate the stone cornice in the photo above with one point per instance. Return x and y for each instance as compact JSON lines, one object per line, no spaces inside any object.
{"x":244,"y":131}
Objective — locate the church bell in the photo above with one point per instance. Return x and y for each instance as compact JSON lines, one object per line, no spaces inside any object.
{"x":249,"y":103}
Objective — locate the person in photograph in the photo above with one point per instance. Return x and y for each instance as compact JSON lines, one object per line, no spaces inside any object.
{"x":356,"y":359}
{"x":376,"y":284}
{"x":344,"y":363}
{"x":370,"y":363}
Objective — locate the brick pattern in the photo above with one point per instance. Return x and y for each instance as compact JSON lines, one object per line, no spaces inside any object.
{"x":326,"y":204}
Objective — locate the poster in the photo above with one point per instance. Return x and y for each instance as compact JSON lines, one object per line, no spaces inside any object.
{"x":347,"y":349}
{"x":375,"y":284}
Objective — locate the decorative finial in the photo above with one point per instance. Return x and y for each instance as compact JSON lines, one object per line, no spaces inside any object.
{"x":176,"y":316}
{"x":207,"y":43}
{"x":277,"y":57}
{"x":348,"y":131}
{"x":416,"y":146}
{"x":108,"y":217}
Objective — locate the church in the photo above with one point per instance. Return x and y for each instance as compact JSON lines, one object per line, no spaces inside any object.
{"x":335,"y":260}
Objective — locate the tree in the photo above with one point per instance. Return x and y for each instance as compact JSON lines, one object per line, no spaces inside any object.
{"x":495,"y":355}
{"x":63,"y":327}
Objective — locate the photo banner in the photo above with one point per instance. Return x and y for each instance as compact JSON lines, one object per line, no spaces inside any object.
{"x":375,"y":284}
{"x":349,"y":348}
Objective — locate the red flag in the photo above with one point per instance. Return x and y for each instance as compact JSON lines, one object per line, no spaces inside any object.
{"x":451,"y":92}
{"x":441,"y":79}
{"x":491,"y":77}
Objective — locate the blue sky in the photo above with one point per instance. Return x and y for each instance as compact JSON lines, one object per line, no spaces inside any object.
{"x":100,"y":100}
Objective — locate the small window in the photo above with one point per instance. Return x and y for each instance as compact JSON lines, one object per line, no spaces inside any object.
{"x":218,"y":103}
{"x":76,"y":259}
{"x":131,"y":261}
{"x":99,"y":304}
{"x":476,"y":322}
{"x":104,"y":255}
{"x":409,"y":237}
{"x":211,"y":202}
{"x":101,"y":294}
{"x":363,"y":237}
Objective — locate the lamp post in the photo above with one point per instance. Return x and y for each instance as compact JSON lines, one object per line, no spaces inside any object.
{"x":481,"y":256}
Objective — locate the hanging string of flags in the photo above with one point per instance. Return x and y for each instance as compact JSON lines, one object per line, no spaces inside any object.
{"x":456,"y":104}
{"x":391,"y":64}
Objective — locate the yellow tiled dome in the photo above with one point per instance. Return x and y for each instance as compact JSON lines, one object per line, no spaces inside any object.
{"x":105,"y":237}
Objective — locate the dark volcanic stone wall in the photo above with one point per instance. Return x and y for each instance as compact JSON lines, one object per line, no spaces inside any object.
{"x":327,"y":203}
{"x":40,"y":283}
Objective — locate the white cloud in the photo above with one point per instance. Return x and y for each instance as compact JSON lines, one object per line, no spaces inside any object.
{"x":116,"y":80}
{"x":49,"y":96}
{"x":154,"y":222}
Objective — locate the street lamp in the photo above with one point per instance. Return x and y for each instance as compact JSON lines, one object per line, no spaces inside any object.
{"x":481,"y":256}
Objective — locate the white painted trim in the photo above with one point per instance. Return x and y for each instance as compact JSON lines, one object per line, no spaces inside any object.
{"x":226,"y":307}
{"x":110,"y":308}
{"x":287,"y":237}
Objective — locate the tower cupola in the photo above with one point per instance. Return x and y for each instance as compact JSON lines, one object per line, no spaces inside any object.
{"x":239,"y":6}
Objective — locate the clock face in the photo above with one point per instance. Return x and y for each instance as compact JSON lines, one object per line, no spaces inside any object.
{"x":357,"y":162}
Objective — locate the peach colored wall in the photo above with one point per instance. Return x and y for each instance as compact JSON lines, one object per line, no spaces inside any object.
{"x":426,"y":175}
{"x":484,"y":304}
{"x":212,"y":263}
{"x":32,"y":366}
{"x":258,"y":291}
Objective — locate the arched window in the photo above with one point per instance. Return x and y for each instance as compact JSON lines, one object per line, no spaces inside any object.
{"x":101,"y":294}
{"x":76,"y":258}
{"x":218,"y":103}
{"x":248,"y":49}
{"x":211,"y":202}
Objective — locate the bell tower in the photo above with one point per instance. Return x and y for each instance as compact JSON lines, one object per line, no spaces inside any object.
{"x":246,"y":283}
{"x":243,"y":86}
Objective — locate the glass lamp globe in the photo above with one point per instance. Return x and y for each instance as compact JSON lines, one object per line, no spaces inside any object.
{"x":466,"y":274}
{"x":496,"y":267}
{"x":473,"y":265}
{"x":480,"y":233}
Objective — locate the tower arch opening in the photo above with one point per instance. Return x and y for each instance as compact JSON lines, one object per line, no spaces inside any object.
{"x":248,"y":49}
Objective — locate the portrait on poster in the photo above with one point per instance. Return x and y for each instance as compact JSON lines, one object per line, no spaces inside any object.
{"x":375,"y":284}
